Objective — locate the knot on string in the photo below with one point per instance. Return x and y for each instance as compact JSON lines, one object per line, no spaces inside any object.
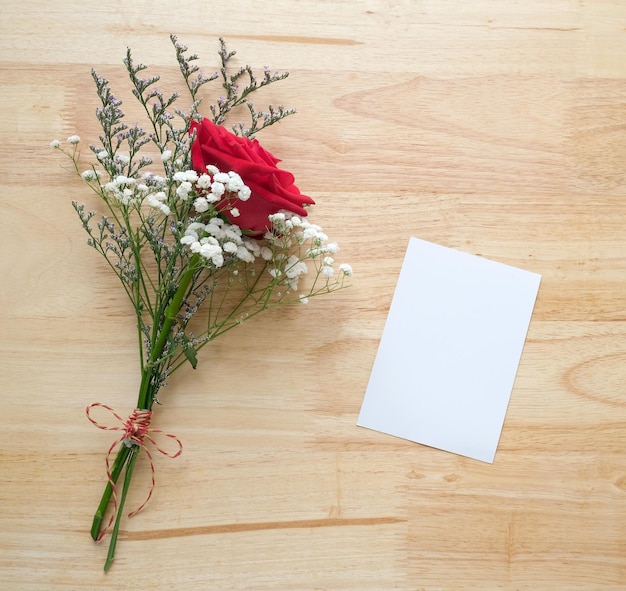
{"x":136,"y":426}
{"x":136,"y":431}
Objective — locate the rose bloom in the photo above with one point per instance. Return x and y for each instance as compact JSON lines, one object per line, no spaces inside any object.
{"x":272,"y":189}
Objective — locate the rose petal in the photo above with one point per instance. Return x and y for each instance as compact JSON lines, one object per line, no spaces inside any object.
{"x":272,"y":189}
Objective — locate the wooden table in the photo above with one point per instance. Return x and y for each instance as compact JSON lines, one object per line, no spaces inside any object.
{"x":497,"y":128}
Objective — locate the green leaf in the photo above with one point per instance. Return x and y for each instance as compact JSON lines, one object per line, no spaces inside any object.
{"x":190,"y":353}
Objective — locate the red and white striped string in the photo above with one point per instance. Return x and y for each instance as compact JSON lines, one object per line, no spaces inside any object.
{"x":135,"y":431}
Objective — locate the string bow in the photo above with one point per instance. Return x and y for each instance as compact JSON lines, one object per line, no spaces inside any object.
{"x":135,"y":430}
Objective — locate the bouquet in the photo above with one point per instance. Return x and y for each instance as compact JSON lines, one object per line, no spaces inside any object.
{"x":203,"y":230}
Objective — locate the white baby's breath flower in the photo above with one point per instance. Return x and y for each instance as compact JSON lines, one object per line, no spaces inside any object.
{"x":88,"y":176}
{"x":124,"y":180}
{"x":327,"y":271}
{"x":201,"y":205}
{"x":102,"y":155}
{"x":277,"y":217}
{"x":221,"y":177}
{"x":234,"y":182}
{"x":243,"y":254}
{"x":204,"y":181}
{"x":157,"y":200}
{"x":190,"y":176}
{"x":212,"y":169}
{"x":303,"y":299}
{"x":244,"y":193}
{"x":214,"y":227}
{"x":73,"y":139}
{"x":346,"y":269}
{"x":309,"y":233}
{"x":55,"y":144}
{"x":234,"y":212}
{"x":166,"y":155}
{"x":194,"y":227}
{"x":213,"y":253}
{"x":120,"y":189}
{"x":232,"y":232}
{"x":217,"y":188}
{"x":253,"y":247}
{"x":229,"y":247}
{"x":295,"y":267}
{"x":183,"y":190}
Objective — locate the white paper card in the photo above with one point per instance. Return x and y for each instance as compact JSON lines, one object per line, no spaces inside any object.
{"x":450,"y":349}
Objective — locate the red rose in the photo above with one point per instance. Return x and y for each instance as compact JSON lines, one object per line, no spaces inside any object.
{"x":272,"y":189}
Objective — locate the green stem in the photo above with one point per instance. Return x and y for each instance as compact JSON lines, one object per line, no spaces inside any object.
{"x":118,"y":464}
{"x":146,"y":396}
{"x":133,"y":453}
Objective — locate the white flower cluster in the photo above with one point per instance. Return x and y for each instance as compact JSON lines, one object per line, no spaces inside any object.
{"x":204,"y":189}
{"x":90,"y":175}
{"x":122,"y":188}
{"x":118,"y":163}
{"x":287,"y":248}
{"x":128,"y":190}
{"x":73,"y":140}
{"x":152,"y":189}
{"x":346,"y":269}
{"x":217,"y":240}
{"x":214,"y":184}
{"x":290,"y":230}
{"x":289,"y":270}
{"x":157,"y":201}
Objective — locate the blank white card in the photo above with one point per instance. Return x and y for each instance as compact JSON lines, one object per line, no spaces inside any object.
{"x":450,"y":349}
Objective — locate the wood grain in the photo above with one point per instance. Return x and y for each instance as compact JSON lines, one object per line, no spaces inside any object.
{"x":498,"y":128}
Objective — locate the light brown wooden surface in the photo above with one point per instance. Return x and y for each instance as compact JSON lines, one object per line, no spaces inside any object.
{"x":498,"y":128}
